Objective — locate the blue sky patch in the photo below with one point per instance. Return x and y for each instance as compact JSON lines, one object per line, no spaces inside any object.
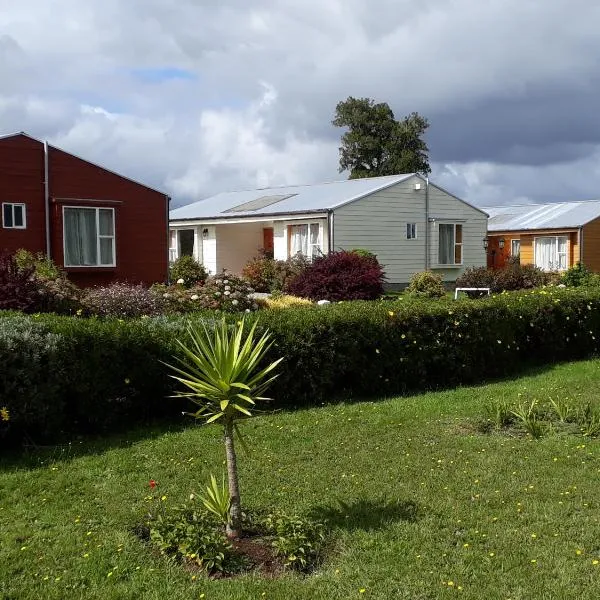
{"x":161,"y":74}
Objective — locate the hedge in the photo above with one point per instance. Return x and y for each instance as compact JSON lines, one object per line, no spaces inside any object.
{"x":66,"y":375}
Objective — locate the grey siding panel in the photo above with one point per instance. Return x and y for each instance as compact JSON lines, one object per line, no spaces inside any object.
{"x":378,"y":223}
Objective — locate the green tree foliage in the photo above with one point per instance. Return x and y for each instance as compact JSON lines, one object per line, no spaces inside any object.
{"x":378,"y":144}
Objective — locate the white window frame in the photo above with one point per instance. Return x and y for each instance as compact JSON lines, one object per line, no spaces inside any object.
{"x":555,"y":237}
{"x":512,"y":247}
{"x":310,"y":246}
{"x":461,"y":244}
{"x":12,"y":205}
{"x":173,"y":250}
{"x":411,"y":231}
{"x":97,"y":210}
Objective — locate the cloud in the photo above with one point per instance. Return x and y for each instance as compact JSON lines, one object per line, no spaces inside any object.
{"x":200,"y":97}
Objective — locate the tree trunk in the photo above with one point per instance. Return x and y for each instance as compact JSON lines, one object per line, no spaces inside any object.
{"x":234,"y":528}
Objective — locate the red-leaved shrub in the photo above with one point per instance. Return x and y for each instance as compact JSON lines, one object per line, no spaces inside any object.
{"x":339,"y":276}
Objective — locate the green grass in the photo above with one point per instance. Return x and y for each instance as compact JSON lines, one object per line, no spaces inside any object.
{"x":429,"y":501}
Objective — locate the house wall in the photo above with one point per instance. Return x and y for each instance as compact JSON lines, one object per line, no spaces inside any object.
{"x":141,"y":221}
{"x":237,"y":244}
{"x":22,"y":181}
{"x":591,"y":245}
{"x":498,"y":258}
{"x":378,"y":223}
{"x":140,"y":213}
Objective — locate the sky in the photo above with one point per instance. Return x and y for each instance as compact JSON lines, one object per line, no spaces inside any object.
{"x":195,"y":97}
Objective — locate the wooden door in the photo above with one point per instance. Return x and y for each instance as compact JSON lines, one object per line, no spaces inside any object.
{"x":268,"y":241}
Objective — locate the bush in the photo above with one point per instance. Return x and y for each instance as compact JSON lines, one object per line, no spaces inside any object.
{"x":364,"y":253}
{"x":576,"y":276}
{"x":426,"y":285}
{"x":55,"y":293}
{"x":189,"y":270}
{"x":177,"y":298}
{"x":94,"y":374}
{"x":261,"y":273}
{"x":122,"y":300}
{"x":279,"y":301}
{"x":227,"y":293}
{"x":513,"y":276}
{"x":339,"y":276}
{"x":265,"y":274}
{"x":18,"y":288}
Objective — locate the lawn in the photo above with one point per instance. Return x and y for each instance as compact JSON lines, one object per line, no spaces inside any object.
{"x":435,"y":509}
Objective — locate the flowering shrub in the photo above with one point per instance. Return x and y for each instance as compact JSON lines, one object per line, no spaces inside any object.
{"x":339,"y":276}
{"x":426,"y":285}
{"x":228,"y":293}
{"x":188,"y":272}
{"x":177,"y":298}
{"x":122,"y":300}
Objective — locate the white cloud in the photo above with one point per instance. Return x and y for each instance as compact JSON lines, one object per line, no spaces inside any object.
{"x":510,"y":87}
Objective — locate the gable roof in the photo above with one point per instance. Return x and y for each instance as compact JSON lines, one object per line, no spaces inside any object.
{"x":315,"y":198}
{"x":41,"y":142}
{"x":555,"y":215}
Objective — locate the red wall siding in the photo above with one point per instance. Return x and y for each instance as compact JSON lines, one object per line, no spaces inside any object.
{"x":22,"y":180}
{"x":140,"y":218}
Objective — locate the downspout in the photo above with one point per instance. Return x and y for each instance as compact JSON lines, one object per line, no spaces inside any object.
{"x":580,"y":242}
{"x":47,"y":201}
{"x":168,"y":242}
{"x":427,"y":222}
{"x":330,"y":232}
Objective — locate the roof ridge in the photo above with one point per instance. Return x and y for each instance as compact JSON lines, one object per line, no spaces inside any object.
{"x":560,"y":202}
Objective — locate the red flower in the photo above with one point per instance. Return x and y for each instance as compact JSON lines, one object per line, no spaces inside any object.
{"x":153,"y":483}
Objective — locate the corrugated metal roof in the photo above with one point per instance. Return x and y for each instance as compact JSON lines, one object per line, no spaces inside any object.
{"x":542,"y":216}
{"x":295,"y":199}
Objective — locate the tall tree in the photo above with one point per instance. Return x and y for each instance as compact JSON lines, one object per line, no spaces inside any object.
{"x":378,"y":144}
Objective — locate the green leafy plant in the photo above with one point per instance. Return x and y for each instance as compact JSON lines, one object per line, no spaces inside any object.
{"x":562,"y":409}
{"x":217,"y":500}
{"x":190,"y":534}
{"x":187,"y":271}
{"x":426,"y":285}
{"x":499,"y":413}
{"x":299,"y":541}
{"x":223,"y":373}
{"x":576,"y":276}
{"x":527,"y":415}
{"x":588,"y":419}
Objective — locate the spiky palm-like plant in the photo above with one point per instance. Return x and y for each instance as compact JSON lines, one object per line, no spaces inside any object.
{"x":222,"y":373}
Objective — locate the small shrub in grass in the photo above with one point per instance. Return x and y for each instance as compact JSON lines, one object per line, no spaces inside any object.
{"x":187,"y":271}
{"x":426,"y":285}
{"x":339,"y":276}
{"x":122,"y":300}
{"x":227,"y":293}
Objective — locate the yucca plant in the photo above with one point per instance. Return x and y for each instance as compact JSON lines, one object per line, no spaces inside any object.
{"x":217,"y":499}
{"x":223,"y":374}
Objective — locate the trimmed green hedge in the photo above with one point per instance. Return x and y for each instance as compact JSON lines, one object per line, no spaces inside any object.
{"x":69,"y":374}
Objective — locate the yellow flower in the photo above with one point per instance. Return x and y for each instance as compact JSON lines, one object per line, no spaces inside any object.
{"x":4,"y":414}
{"x":391,"y":313}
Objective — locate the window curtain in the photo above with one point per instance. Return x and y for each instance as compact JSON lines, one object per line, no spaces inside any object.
{"x":446,"y":246}
{"x":314,"y":240}
{"x":545,"y":253}
{"x":562,"y":253}
{"x":299,"y":241}
{"x":80,"y":237}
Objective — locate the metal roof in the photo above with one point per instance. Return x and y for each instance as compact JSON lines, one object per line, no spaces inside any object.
{"x":557,"y":215}
{"x":290,"y":199}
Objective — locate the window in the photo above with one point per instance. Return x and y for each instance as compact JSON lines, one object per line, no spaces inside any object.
{"x":172,"y":245}
{"x":411,"y":231}
{"x":13,"y":216}
{"x":450,"y":244}
{"x":515,"y":248}
{"x":305,"y":239}
{"x":89,"y":237}
{"x":551,"y":253}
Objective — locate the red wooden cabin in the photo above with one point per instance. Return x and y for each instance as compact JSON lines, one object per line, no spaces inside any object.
{"x":98,"y":225}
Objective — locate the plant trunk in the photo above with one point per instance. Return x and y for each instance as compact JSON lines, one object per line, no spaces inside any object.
{"x":234,"y":528}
